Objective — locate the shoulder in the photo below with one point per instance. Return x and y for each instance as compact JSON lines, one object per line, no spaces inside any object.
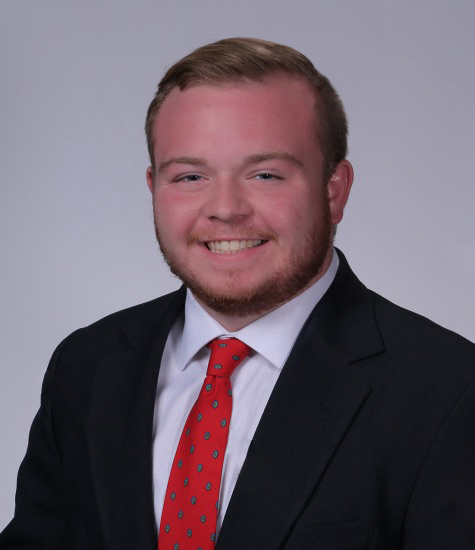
{"x":410,"y":326}
{"x":420,"y":346}
{"x":124,"y":329}
{"x":369,"y":316}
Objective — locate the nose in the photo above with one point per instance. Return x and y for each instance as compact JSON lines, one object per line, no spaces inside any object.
{"x":227,"y":201}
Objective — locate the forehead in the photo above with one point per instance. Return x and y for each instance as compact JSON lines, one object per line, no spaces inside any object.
{"x":277,"y":108}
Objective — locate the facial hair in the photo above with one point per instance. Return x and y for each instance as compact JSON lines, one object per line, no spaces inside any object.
{"x":303,"y":268}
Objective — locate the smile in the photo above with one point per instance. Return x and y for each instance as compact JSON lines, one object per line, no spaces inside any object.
{"x":232,"y":247}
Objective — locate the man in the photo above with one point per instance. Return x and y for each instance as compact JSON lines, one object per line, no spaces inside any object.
{"x":352,"y":420}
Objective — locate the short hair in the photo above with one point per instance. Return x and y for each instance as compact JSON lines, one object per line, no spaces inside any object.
{"x":236,"y":59}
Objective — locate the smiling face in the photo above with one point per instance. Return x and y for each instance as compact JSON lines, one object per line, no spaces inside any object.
{"x":241,"y":212}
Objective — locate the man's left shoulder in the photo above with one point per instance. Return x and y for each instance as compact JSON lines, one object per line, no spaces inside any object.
{"x":415,"y":336}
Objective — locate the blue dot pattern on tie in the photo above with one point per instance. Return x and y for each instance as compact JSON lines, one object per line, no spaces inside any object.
{"x":189,"y":515}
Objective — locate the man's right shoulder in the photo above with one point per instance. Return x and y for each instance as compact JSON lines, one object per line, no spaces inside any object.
{"x":125,"y":328}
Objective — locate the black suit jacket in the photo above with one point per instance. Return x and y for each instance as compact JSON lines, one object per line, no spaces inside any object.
{"x":367,"y":441}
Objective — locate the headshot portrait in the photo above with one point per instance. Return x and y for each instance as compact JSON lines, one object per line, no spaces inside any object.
{"x":239,"y":256}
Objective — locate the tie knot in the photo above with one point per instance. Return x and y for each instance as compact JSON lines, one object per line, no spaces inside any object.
{"x":226,"y":354}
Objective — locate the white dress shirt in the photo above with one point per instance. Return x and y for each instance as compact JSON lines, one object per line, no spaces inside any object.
{"x":183,"y":370}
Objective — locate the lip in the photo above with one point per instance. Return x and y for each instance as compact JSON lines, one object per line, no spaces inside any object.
{"x":233,"y":246}
{"x":240,"y":253}
{"x":229,"y":239}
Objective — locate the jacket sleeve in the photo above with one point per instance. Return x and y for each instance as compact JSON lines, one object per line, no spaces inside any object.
{"x":441,"y":514}
{"x":39,"y":504}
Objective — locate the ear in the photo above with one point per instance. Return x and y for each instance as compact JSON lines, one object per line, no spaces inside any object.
{"x":150,"y":178}
{"x":338,"y":189}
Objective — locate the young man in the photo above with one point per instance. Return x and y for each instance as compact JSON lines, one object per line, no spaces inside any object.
{"x":336,"y":421}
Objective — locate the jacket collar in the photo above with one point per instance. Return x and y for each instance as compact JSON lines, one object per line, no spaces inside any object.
{"x":317,"y":397}
{"x":314,"y":403}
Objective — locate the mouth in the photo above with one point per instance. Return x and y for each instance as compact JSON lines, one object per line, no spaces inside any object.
{"x":234,"y":246}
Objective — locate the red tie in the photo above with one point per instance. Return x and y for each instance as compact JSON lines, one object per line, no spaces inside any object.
{"x":190,"y":509}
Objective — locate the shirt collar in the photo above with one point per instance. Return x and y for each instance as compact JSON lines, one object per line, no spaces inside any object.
{"x":272,"y":335}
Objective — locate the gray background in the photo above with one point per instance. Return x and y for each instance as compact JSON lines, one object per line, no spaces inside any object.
{"x":76,"y":222}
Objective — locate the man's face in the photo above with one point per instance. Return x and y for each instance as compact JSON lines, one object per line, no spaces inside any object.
{"x":241,"y":212}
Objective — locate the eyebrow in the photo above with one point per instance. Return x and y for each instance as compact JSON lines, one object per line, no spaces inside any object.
{"x":195,"y":161}
{"x":277,"y":155}
{"x":252,"y":159}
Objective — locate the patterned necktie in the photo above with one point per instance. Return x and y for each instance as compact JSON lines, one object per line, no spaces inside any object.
{"x":191,"y":502}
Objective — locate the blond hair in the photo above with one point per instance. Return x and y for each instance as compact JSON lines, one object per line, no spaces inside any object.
{"x":235,"y":59}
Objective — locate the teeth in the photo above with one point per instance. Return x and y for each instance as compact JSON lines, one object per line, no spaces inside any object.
{"x":232,"y":247}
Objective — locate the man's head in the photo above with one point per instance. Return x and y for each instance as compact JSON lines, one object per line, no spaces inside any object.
{"x":239,"y":59}
{"x":244,"y":206}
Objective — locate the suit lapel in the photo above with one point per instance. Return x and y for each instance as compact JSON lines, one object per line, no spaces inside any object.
{"x":313,"y":405}
{"x":317,"y":397}
{"x":121,"y":424}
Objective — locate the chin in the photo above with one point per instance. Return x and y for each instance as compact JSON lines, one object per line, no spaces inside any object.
{"x":239,"y":297}
{"x":236,"y":300}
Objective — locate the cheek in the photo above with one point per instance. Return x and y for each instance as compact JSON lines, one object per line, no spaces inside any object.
{"x":286,"y":213}
{"x":172,"y":213}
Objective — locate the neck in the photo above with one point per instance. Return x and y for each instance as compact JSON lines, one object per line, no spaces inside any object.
{"x":233,"y":323}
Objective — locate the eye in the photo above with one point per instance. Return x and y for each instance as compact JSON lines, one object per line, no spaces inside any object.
{"x":267,"y":176}
{"x":189,"y":178}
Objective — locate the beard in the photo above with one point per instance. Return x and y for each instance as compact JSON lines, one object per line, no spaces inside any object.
{"x":302,"y":269}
